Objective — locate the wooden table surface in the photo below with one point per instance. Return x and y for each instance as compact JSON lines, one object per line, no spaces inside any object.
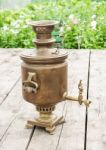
{"x":85,"y":129}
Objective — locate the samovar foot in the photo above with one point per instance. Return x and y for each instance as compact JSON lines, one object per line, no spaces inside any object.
{"x":50,"y":129}
{"x":49,"y":125}
{"x":29,"y":126}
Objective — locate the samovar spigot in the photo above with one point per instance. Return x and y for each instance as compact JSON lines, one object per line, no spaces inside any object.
{"x":80,"y":98}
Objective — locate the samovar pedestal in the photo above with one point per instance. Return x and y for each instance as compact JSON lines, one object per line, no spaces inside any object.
{"x":47,"y":119}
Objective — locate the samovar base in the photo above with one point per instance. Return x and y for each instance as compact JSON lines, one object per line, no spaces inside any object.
{"x":47,"y":120}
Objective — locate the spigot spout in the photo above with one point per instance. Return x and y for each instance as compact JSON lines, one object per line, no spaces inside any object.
{"x":86,"y":102}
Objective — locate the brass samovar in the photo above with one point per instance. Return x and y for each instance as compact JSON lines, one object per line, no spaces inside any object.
{"x":44,"y":77}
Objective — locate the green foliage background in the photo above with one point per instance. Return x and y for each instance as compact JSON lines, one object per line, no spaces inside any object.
{"x":14,"y":31}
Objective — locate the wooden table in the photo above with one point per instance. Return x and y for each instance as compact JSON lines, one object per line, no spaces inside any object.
{"x":85,"y":129}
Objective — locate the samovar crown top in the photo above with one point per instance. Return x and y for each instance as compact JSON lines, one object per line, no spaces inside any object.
{"x":44,"y":52}
{"x":42,"y":23}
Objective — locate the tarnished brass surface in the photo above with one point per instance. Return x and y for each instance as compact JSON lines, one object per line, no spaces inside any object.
{"x":52,"y":81}
{"x":44,"y":77}
{"x":43,"y":28}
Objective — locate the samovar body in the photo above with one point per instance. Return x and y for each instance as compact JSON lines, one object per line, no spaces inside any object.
{"x":50,"y":82}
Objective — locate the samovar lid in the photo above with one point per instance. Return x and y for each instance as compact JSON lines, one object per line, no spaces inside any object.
{"x":44,"y":56}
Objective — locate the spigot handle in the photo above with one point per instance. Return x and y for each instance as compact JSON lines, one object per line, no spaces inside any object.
{"x":80,"y":96}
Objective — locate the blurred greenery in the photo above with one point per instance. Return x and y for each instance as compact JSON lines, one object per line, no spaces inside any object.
{"x":82,"y":24}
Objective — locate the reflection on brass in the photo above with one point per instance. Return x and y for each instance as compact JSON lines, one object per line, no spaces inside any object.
{"x":44,"y":77}
{"x":80,"y":96}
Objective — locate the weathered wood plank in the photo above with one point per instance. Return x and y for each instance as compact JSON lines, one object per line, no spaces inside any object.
{"x":13,"y":116}
{"x":96,"y":138}
{"x":9,"y":71}
{"x":71,"y":134}
{"x":9,"y":109}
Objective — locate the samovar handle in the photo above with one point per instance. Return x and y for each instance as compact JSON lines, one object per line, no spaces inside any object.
{"x":29,"y":85}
